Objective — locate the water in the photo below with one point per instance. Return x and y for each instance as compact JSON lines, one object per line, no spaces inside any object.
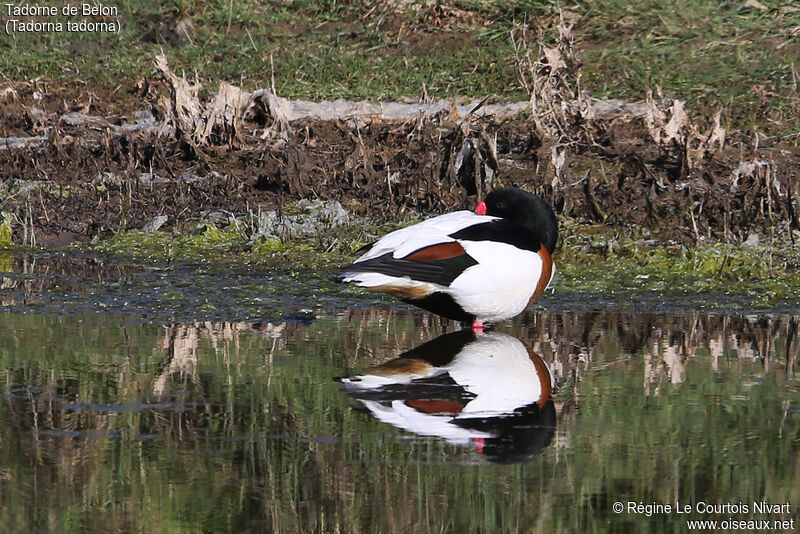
{"x":112,"y":423}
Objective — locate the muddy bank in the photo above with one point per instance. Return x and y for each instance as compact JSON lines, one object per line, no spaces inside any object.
{"x":69,"y":173}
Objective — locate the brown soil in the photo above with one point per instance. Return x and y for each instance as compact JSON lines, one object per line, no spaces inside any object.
{"x":86,"y":178}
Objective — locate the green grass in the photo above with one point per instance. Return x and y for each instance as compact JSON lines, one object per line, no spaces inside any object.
{"x":715,"y":54}
{"x":712,"y":54}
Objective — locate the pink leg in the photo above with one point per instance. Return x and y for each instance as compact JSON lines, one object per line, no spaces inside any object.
{"x":477,"y":327}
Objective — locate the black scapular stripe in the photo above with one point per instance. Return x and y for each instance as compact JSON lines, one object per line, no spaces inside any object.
{"x":441,"y":272}
{"x":501,"y":231}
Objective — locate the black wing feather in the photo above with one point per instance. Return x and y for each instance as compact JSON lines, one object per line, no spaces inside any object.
{"x":441,"y":272}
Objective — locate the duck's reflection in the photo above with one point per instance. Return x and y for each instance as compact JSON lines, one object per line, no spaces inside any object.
{"x":485,"y":390}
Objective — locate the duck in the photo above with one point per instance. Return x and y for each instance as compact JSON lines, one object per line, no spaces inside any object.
{"x":477,"y":267}
{"x":487,"y":390}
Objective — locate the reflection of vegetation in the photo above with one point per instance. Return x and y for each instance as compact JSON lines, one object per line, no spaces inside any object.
{"x":234,"y":426}
{"x":6,"y":262}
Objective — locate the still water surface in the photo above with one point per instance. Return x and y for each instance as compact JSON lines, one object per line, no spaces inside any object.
{"x":221,"y":426}
{"x":368,"y":420}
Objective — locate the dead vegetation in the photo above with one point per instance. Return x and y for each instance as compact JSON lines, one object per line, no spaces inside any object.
{"x":69,"y":175}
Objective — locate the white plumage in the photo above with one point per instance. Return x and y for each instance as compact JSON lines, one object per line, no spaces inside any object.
{"x":429,"y":232}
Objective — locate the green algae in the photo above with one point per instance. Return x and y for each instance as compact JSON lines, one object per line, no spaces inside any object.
{"x":641,"y":271}
{"x":209,"y":243}
{"x":6,"y":231}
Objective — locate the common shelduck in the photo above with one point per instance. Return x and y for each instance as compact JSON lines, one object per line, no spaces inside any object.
{"x":483,"y":266}
{"x":485,"y":389}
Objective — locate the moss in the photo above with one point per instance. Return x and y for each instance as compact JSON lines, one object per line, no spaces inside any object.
{"x":6,"y":232}
{"x":638,"y":271}
{"x":207,"y":244}
{"x":268,"y":246}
